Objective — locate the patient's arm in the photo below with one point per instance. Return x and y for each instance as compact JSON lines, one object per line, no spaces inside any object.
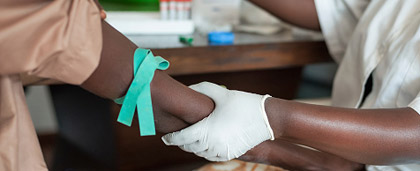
{"x":175,"y":105}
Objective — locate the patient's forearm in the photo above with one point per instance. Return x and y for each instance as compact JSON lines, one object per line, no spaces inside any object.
{"x":371,"y":136}
{"x":171,"y":98}
{"x":175,"y":105}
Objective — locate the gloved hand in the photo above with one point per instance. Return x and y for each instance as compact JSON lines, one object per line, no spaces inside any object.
{"x":237,"y":124}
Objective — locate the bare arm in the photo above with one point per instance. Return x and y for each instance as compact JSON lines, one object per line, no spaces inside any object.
{"x":301,"y":13}
{"x":377,"y":136}
{"x":175,"y":105}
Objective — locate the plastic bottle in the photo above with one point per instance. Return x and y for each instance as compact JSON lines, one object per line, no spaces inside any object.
{"x":187,"y":9}
{"x":179,"y":9}
{"x":164,"y":8}
{"x":172,"y":9}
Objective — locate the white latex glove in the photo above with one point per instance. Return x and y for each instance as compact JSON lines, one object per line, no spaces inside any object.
{"x":237,"y":124}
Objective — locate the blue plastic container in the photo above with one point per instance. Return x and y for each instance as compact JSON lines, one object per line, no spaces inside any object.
{"x":221,"y":38}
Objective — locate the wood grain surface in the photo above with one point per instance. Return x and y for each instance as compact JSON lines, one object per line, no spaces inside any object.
{"x":214,"y":59}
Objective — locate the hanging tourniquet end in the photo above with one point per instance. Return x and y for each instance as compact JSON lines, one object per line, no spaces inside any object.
{"x":138,"y":94}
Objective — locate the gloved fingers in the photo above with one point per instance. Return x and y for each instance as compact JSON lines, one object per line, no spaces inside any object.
{"x":207,"y":153}
{"x":236,"y":155}
{"x":212,"y":90}
{"x":220,"y":152}
{"x":195,"y":147}
{"x":188,"y":135}
{"x":216,"y":159}
{"x":210,"y":155}
{"x":203,"y":154}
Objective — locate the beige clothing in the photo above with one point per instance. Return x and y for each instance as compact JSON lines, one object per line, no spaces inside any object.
{"x":57,"y":39}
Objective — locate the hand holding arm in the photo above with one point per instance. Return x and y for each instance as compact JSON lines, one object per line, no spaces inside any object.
{"x":237,"y":124}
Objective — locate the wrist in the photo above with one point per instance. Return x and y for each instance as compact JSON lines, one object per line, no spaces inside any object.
{"x":167,"y":94}
{"x":277,"y":114}
{"x":264,"y":115}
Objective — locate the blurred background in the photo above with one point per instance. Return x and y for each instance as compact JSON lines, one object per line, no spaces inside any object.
{"x":79,"y":131}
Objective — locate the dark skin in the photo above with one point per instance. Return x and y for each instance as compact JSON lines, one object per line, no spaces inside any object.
{"x":114,"y":74}
{"x":171,"y":115}
{"x":115,"y":70}
{"x":292,"y":122}
{"x":284,"y":153}
{"x":374,"y":136}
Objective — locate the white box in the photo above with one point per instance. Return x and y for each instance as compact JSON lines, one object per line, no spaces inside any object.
{"x":148,"y":23}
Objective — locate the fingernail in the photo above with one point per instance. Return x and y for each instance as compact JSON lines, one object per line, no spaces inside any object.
{"x":164,"y":141}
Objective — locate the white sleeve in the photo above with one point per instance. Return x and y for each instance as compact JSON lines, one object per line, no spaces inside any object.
{"x":415,"y":104}
{"x":338,"y":20}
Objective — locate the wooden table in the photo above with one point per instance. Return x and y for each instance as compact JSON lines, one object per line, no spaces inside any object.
{"x":260,"y":64}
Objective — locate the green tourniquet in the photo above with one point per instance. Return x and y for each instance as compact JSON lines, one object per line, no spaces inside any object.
{"x":138,"y":94}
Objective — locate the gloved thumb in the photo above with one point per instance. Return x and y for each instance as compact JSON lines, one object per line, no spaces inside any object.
{"x":212,"y":90}
{"x":186,"y":136}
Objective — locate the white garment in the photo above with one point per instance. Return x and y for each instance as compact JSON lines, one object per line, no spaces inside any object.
{"x":378,"y":37}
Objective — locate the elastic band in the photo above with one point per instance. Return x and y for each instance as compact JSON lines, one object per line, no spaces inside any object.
{"x":138,"y":94}
{"x":265,"y":97}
